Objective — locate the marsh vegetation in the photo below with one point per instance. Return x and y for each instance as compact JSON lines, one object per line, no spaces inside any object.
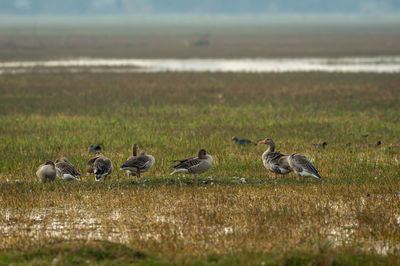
{"x":238,"y":213}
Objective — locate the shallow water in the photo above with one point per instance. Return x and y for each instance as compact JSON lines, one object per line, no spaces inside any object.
{"x":98,"y":65}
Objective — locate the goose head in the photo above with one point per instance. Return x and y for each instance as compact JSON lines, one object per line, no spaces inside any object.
{"x":202,"y":154}
{"x":267,"y":141}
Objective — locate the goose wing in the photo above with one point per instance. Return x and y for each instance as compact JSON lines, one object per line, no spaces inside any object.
{"x":67,"y":168}
{"x":301,"y":161}
{"x":139,"y":162}
{"x":187,"y":163}
{"x":183,"y":160}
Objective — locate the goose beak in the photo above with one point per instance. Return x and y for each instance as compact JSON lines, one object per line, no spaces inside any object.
{"x":262,"y":142}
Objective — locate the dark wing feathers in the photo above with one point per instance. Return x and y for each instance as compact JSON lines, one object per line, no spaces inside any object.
{"x":187,"y":163}
{"x":136,"y":162}
{"x":275,"y":155}
{"x":67,"y":168}
{"x":184,"y":160}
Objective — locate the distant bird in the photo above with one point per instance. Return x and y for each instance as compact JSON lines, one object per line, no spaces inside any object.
{"x":302,"y":166}
{"x":321,"y":145}
{"x":65,"y":170}
{"x":193,"y":165}
{"x":365,"y":135}
{"x":138,"y":164}
{"x":95,"y":148}
{"x":274,"y":161}
{"x":241,"y":142}
{"x":378,"y":143}
{"x":100,"y":166}
{"x":46,"y":172}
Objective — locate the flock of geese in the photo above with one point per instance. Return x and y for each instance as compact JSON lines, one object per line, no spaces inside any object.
{"x":101,"y":166}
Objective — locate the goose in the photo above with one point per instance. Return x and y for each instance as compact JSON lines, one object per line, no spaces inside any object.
{"x":134,"y":154}
{"x":100,"y":166}
{"x":275,"y":161}
{"x":193,"y":165}
{"x":46,"y":172}
{"x":65,"y":170}
{"x":302,"y":166}
{"x":241,"y":142}
{"x":138,"y":164}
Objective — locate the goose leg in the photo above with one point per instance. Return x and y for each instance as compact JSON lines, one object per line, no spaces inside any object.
{"x":195,"y":180}
{"x":138,"y":173}
{"x":276,"y":176}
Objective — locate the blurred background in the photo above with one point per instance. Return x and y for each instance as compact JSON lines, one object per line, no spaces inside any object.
{"x":232,"y":7}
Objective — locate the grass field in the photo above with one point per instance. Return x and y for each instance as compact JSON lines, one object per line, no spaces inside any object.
{"x":351,"y":216}
{"x":238,"y":213}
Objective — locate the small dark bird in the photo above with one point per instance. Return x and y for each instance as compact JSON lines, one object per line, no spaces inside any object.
{"x":95,"y":148}
{"x":321,"y":145}
{"x":365,"y":135}
{"x":377,"y":144}
{"x":241,"y":142}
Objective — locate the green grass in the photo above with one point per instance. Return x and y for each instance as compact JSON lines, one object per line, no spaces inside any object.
{"x":351,"y":216}
{"x":106,"y":253}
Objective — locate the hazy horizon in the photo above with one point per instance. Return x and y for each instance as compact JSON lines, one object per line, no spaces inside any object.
{"x":222,"y":7}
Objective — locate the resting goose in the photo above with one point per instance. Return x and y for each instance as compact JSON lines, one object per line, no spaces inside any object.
{"x":46,"y":172}
{"x":100,"y":166}
{"x":275,"y":161}
{"x":302,"y":166}
{"x":194,"y":165}
{"x":65,"y":170}
{"x":138,"y":164}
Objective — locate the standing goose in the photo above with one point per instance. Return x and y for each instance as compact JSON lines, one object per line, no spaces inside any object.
{"x":46,"y":172}
{"x":275,"y":161}
{"x":138,"y":164}
{"x":100,"y":166}
{"x":302,"y":166}
{"x":65,"y":170}
{"x":134,"y":154}
{"x":194,"y":165}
